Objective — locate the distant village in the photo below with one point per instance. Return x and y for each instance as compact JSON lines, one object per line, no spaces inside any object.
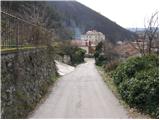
{"x":89,"y":40}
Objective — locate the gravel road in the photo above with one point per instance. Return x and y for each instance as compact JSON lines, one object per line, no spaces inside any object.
{"x":81,"y":94}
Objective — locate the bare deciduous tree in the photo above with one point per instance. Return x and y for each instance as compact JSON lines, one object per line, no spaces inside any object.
{"x":40,"y":16}
{"x":109,"y":51}
{"x":151,"y":31}
{"x":149,"y":39}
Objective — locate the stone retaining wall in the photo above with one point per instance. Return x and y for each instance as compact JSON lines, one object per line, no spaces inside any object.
{"x":25,"y":78}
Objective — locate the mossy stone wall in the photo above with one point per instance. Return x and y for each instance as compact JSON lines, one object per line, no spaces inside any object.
{"x":25,"y":78}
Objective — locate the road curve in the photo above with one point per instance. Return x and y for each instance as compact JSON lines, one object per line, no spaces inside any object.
{"x":81,"y":94}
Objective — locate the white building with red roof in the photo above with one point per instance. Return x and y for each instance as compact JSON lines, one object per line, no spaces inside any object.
{"x":89,"y":41}
{"x":93,"y":36}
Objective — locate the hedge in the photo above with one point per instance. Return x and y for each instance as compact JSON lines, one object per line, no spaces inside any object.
{"x":138,"y":83}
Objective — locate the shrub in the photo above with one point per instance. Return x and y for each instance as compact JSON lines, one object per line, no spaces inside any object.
{"x":101,"y":60}
{"x":133,"y":65}
{"x":77,"y":55}
{"x":105,"y":53}
{"x":138,"y":83}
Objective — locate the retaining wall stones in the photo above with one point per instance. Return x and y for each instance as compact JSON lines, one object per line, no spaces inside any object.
{"x":25,"y":78}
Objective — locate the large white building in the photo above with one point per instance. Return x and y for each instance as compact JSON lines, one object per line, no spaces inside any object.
{"x":89,"y":41}
{"x":93,"y":36}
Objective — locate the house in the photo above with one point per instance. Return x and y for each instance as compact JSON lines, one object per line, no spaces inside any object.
{"x":89,"y":41}
{"x":93,"y":36}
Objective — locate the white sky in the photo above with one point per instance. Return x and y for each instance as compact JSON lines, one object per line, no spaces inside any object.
{"x":127,"y":13}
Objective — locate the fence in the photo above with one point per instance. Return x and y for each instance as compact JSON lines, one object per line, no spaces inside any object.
{"x":16,"y":32}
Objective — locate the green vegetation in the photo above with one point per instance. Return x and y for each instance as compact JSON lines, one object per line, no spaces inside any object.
{"x":105,"y":54}
{"x":100,"y":58}
{"x":76,"y":54}
{"x":76,"y":15}
{"x":20,"y":48}
{"x":25,"y":81}
{"x":137,"y":81}
{"x":44,"y":15}
{"x":132,"y":112}
{"x":109,"y":81}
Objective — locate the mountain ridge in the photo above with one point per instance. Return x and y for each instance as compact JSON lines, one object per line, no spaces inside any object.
{"x":80,"y":18}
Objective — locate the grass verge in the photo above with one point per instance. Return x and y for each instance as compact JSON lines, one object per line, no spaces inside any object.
{"x":132,"y":112}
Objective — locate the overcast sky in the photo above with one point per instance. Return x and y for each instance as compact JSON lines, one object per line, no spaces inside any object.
{"x":127,"y":13}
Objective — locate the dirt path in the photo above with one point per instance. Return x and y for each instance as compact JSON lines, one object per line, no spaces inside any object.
{"x":81,"y":94}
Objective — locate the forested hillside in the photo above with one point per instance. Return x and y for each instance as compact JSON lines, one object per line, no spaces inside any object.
{"x":68,"y":19}
{"x":39,"y":13}
{"x":80,"y":19}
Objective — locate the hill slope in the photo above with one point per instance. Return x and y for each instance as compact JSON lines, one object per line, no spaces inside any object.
{"x":80,"y":19}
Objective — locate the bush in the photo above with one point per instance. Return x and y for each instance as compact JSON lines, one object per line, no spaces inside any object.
{"x":133,"y":65}
{"x":77,"y":56}
{"x":100,"y":58}
{"x":138,"y":83}
{"x":105,"y":53}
